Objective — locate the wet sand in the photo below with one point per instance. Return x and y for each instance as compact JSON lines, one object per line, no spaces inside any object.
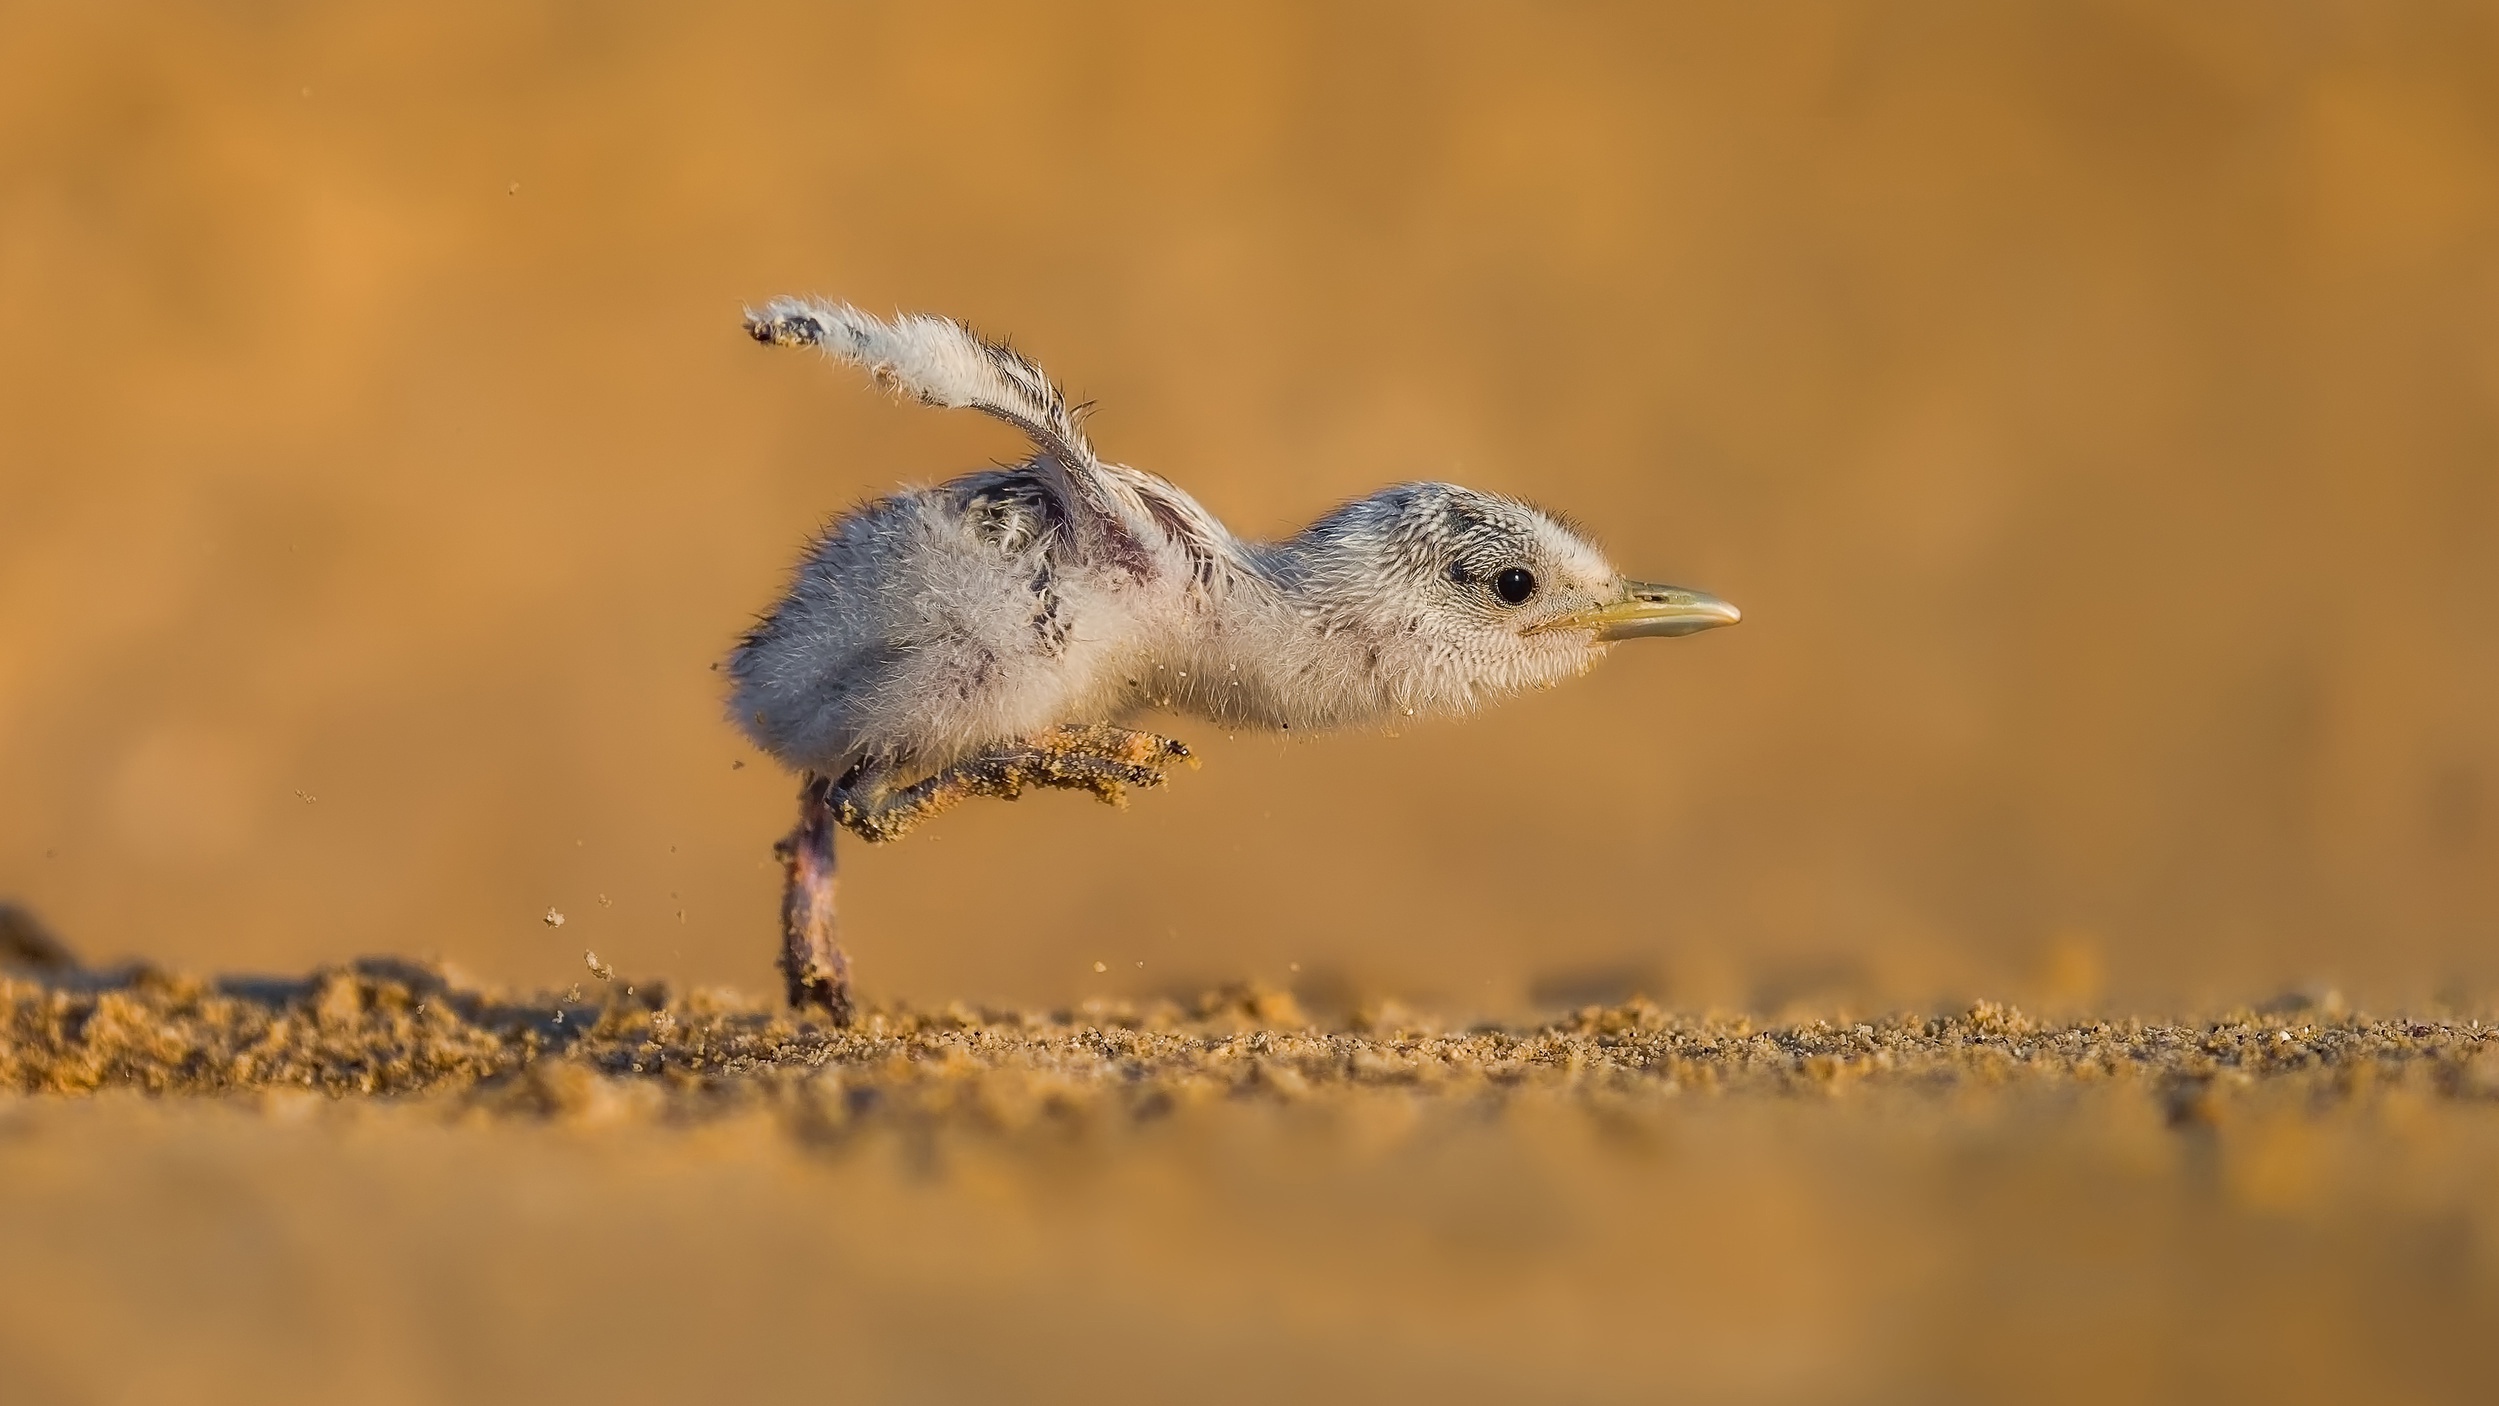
{"x":375,"y":1183}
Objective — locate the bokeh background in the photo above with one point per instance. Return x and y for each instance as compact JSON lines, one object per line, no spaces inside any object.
{"x":2094,"y":406}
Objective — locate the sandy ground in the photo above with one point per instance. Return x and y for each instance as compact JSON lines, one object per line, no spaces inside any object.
{"x":373,"y":1183}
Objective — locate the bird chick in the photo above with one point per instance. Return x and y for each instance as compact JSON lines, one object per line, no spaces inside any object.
{"x":995,"y":632}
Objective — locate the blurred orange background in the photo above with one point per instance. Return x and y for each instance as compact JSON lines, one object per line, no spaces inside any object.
{"x":2094,"y":407}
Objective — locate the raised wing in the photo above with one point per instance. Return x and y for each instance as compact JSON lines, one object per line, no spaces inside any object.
{"x":939,"y":361}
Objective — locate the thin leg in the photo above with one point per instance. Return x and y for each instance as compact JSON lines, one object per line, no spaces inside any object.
{"x":812,"y":960}
{"x":1093,"y":757}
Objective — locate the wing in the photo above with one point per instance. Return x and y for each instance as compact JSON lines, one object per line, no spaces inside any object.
{"x":938,"y":361}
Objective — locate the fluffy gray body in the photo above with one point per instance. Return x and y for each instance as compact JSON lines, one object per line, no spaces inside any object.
{"x":940,"y":623}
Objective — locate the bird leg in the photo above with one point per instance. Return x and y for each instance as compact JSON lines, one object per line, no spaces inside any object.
{"x":1093,"y":757}
{"x":812,"y":960}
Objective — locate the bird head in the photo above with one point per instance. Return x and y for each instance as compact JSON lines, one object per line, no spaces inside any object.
{"x":1475,"y":591}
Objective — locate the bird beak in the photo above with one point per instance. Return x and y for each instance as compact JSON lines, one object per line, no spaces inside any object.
{"x":1647,"y":609}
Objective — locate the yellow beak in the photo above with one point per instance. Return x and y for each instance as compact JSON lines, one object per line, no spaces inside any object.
{"x":1647,"y":609}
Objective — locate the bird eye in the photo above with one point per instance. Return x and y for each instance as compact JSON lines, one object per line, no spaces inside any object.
{"x":1514,"y":584}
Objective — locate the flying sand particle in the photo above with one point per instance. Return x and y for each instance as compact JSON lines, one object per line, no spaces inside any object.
{"x":553,"y":919}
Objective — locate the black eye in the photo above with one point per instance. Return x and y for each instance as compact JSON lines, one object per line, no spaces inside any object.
{"x":1514,"y":584}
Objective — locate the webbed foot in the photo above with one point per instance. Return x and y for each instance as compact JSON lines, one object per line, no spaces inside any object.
{"x":1095,"y":757}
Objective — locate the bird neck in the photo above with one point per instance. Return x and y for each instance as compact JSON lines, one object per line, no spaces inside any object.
{"x":1299,"y":638}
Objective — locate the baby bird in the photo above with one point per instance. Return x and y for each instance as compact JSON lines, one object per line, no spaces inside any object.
{"x":995,"y":631}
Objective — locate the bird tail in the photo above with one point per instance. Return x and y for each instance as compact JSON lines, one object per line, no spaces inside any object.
{"x":937,"y":360}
